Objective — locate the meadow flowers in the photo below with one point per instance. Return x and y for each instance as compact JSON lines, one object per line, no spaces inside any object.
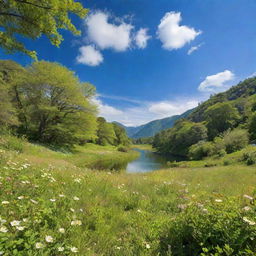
{"x":251,"y":223}
{"x":3,"y":229}
{"x":73,"y":249}
{"x":76,"y":223}
{"x":49,"y":239}
{"x":39,"y":245}
{"x":62,"y":230}
{"x":15,"y":223}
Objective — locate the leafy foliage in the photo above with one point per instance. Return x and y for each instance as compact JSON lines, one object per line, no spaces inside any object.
{"x":33,"y":18}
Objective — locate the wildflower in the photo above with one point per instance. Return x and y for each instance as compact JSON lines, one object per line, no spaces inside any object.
{"x":1,"y":252}
{"x":218,"y":200}
{"x":15,"y":223}
{"x":76,"y":223}
{"x":33,"y":201}
{"x":72,"y":210}
{"x":3,"y":229}
{"x":248,"y":197}
{"x":61,"y":195}
{"x":73,"y":249}
{"x":118,"y":247}
{"x":60,"y":249}
{"x":53,"y":200}
{"x":77,"y":180}
{"x":204,"y":210}
{"x":39,"y":245}
{"x":247,"y":208}
{"x":148,"y":246}
{"x":182,"y":206}
{"x":25,"y":219}
{"x":5,"y":202}
{"x":76,"y":198}
{"x":62,"y":230}
{"x":20,"y":197}
{"x":139,"y":210}
{"x":49,"y":239}
{"x":2,"y":220}
{"x":251,"y":223}
{"x":20,"y":228}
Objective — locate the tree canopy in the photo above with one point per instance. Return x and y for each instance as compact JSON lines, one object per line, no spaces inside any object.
{"x":33,"y":18}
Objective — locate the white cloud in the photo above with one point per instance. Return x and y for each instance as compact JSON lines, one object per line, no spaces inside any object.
{"x":141,"y":38}
{"x":89,"y":56}
{"x":165,"y":108}
{"x":194,"y":48}
{"x":107,"y":111}
{"x":216,"y":82}
{"x":172,"y":34}
{"x":143,"y":112}
{"x":106,"y":35}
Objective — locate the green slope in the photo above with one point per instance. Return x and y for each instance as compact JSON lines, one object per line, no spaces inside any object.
{"x":153,"y":127}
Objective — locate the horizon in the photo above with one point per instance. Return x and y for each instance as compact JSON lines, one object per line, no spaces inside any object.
{"x":149,"y":61}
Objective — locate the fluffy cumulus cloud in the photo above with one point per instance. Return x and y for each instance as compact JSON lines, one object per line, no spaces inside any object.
{"x":88,"y":55}
{"x":143,"y":112}
{"x":107,"y":35}
{"x":107,"y":111}
{"x":172,"y":34}
{"x":216,"y":82}
{"x":141,"y":38}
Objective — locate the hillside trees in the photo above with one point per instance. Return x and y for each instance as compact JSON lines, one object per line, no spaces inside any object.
{"x":33,"y":18}
{"x":220,"y":117}
{"x":10,"y":72}
{"x":178,"y":139}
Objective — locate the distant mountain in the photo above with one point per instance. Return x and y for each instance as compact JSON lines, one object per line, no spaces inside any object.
{"x":153,"y":127}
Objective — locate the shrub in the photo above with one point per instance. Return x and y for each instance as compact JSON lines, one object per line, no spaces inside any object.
{"x":208,"y":229}
{"x":250,"y":157}
{"x":235,"y":140}
{"x":200,"y":150}
{"x":122,"y":149}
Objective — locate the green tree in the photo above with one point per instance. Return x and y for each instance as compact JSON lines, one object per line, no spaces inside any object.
{"x":121,"y":136}
{"x":52,"y":106}
{"x":105,"y":132}
{"x":10,"y":72}
{"x":177,"y":140}
{"x":235,"y":140}
{"x":220,"y":117}
{"x":33,"y":18}
{"x":252,"y":127}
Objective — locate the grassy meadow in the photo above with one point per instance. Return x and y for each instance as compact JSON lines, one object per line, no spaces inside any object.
{"x":53,"y":204}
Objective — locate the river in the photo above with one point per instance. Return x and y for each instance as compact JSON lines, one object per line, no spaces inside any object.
{"x":147,"y":161}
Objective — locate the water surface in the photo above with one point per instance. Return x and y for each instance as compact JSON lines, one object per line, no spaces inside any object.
{"x":147,"y":161}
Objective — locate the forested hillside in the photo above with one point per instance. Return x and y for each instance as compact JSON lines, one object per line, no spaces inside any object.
{"x":221,"y":125}
{"x":153,"y":127}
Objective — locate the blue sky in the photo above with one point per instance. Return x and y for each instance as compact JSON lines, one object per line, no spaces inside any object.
{"x":151,"y":59}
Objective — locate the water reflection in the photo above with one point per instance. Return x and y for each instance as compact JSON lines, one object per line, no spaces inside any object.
{"x":148,"y":161}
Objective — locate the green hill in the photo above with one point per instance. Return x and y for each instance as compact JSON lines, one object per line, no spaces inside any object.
{"x":153,"y":127}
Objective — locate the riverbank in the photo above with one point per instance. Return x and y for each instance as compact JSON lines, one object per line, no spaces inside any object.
{"x":87,"y":156}
{"x":61,"y":208}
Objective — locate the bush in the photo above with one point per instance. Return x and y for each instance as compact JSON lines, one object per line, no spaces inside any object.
{"x":235,"y":140}
{"x":209,"y":229}
{"x":122,"y":149}
{"x":200,"y":150}
{"x":250,"y":157}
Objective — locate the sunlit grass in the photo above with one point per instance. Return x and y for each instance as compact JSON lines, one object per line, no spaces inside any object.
{"x":61,"y":209}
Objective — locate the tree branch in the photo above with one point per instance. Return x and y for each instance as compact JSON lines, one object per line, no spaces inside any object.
{"x":36,"y":5}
